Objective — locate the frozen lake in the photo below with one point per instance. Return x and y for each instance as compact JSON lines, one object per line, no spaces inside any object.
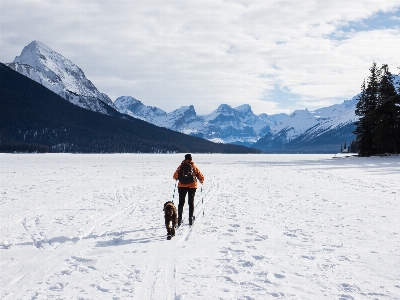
{"x":79,"y":226}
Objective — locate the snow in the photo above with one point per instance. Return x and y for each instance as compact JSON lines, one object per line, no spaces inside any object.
{"x":244,"y":109}
{"x":49,"y":68}
{"x":217,"y":140}
{"x":318,"y":121}
{"x":80,"y":226}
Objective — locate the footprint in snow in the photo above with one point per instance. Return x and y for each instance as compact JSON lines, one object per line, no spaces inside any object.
{"x":261,"y":238}
{"x":248,"y":264}
{"x":277,"y":295}
{"x":290,"y":234}
{"x":5,"y":245}
{"x":348,"y":287}
{"x":103,"y":289}
{"x":308,"y":257}
{"x":57,"y":287}
{"x":258,"y":257}
{"x":279,"y":276}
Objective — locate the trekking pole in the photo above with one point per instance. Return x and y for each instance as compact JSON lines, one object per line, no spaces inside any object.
{"x":173,"y":195}
{"x":202,"y":198}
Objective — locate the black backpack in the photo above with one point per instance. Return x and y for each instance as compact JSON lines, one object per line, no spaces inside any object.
{"x":186,"y":174}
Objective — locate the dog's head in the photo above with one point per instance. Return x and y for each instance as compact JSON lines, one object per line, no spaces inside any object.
{"x":169,"y":208}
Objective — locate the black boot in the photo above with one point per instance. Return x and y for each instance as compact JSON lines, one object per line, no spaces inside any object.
{"x":180,"y":210}
{"x":191,"y":220}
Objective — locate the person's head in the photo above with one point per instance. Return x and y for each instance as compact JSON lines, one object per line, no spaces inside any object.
{"x":188,"y":156}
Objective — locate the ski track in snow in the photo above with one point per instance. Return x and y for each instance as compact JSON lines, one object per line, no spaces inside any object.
{"x":274,"y":227}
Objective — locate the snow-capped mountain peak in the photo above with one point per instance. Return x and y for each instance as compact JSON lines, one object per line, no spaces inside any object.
{"x":185,"y":110}
{"x":44,"y":65}
{"x":33,"y":53}
{"x":225,"y":109}
{"x":245,"y":109}
{"x":55,"y":67}
{"x":173,"y":120}
{"x":295,"y":124}
{"x":39,"y":56}
{"x":225,"y":124}
{"x":324,"y":129}
{"x":300,"y":121}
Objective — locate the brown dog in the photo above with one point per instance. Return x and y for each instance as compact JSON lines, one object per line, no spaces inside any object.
{"x":170,"y":216}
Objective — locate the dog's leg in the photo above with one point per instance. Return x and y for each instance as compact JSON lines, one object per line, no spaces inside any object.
{"x":167,"y":226}
{"x":174,"y":224}
{"x":170,"y":230}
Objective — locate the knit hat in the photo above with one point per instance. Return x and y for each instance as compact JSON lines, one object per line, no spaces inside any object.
{"x":188,"y":156}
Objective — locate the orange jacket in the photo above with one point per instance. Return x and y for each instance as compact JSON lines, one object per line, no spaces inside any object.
{"x":196,"y":170}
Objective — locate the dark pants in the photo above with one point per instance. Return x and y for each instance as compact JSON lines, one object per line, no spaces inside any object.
{"x":182,"y":195}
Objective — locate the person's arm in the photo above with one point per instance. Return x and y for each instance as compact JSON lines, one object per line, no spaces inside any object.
{"x":200,"y":175}
{"x":176,"y":173}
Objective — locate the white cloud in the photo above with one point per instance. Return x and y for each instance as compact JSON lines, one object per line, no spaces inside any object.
{"x":174,"y":53}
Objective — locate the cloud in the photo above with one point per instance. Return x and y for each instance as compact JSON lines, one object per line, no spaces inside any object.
{"x":205,"y":53}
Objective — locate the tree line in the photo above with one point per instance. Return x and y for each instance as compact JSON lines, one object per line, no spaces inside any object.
{"x":378,"y":108}
{"x":20,"y":147}
{"x":351,"y":148}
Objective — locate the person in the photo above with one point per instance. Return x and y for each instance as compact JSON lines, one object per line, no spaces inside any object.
{"x":187,"y":188}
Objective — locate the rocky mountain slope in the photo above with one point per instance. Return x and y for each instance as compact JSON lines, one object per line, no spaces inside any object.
{"x":49,"y":68}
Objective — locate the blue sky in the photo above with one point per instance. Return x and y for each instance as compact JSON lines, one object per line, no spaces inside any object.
{"x":277,"y":56}
{"x":380,"y":20}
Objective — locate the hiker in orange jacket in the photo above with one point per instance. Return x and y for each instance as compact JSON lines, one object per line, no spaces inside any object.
{"x":187,"y":185}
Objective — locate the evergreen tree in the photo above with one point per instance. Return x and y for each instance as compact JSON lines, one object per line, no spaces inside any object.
{"x":365,"y":109}
{"x":386,"y":114}
{"x":353,"y":147}
{"x":378,"y":128}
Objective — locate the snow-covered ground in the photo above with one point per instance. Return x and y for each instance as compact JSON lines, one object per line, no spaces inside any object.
{"x":76,"y":226}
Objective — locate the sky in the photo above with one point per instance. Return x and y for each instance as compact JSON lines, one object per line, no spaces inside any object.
{"x":277,"y":56}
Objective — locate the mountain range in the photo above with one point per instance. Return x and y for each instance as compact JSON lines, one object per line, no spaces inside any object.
{"x":33,"y":117}
{"x":224,"y":125}
{"x":318,"y":131}
{"x":325,"y":129}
